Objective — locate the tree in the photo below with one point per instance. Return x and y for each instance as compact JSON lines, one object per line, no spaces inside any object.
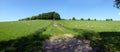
{"x":56,"y":16}
{"x":88,"y":18}
{"x":94,"y":19}
{"x":108,"y":19}
{"x":27,"y":18}
{"x":73,"y":18}
{"x":45,"y":16}
{"x":117,"y":3}
{"x":34,"y":17}
{"x":40,"y":16}
{"x":81,"y":19}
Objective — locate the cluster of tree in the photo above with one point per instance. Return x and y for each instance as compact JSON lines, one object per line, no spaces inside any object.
{"x":108,"y":19}
{"x":84,"y":19}
{"x":44,"y":16}
{"x":91,"y":19}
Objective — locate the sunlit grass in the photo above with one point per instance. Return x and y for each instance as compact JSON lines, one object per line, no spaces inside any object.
{"x":13,"y":30}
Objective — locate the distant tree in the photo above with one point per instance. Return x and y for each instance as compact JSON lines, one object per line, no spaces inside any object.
{"x":20,"y":19}
{"x":34,"y":17}
{"x":88,"y":18}
{"x":45,"y":16}
{"x":73,"y":18}
{"x":40,"y":16}
{"x":56,"y":16}
{"x":108,"y":19}
{"x":111,"y":19}
{"x":81,"y":19}
{"x":27,"y":18}
{"x":94,"y":19}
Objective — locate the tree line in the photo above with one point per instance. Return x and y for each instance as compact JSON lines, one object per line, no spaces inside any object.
{"x":44,"y":16}
{"x":54,"y":16}
{"x":90,"y":19}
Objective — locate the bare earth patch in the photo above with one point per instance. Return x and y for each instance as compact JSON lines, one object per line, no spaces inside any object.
{"x":66,"y":43}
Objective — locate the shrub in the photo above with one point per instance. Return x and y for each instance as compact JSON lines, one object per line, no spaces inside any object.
{"x":94,"y":19}
{"x":81,"y":19}
{"x":88,"y":19}
{"x":73,"y":18}
{"x":108,"y":19}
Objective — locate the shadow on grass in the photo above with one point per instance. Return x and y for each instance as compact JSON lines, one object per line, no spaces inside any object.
{"x":110,"y":41}
{"x":86,"y":34}
{"x":83,"y":33}
{"x":31,"y":43}
{"x":99,"y":41}
{"x":104,"y":34}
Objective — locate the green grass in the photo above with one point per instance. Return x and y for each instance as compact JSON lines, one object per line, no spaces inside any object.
{"x":17,"y":29}
{"x":98,"y":26}
{"x":81,"y":29}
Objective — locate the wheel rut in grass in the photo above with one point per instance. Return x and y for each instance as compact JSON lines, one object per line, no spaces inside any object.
{"x":57,"y":26}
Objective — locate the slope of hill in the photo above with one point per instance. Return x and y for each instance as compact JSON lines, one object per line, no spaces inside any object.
{"x":103,"y":35}
{"x":17,"y":29}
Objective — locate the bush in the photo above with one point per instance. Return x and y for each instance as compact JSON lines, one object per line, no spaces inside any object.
{"x":108,"y":19}
{"x":81,"y":19}
{"x":88,"y":19}
{"x":73,"y":18}
{"x":94,"y":19}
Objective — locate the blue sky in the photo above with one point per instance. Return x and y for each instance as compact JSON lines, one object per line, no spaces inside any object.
{"x":11,"y":10}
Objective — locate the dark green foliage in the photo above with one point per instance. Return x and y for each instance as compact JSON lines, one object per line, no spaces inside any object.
{"x":56,"y":16}
{"x":117,"y":3}
{"x":81,"y":19}
{"x":44,"y":16}
{"x":110,"y":41}
{"x":33,"y":18}
{"x":88,"y":19}
{"x":108,"y":19}
{"x":73,"y":18}
{"x":94,"y":19}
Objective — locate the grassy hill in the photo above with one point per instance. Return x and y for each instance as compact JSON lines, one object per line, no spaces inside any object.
{"x":104,"y":34}
{"x":98,"y":26}
{"x":17,"y":29}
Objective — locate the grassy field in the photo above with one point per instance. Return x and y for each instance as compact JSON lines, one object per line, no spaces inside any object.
{"x":13,"y":30}
{"x":17,"y":29}
{"x":107,"y":31}
{"x":98,"y":26}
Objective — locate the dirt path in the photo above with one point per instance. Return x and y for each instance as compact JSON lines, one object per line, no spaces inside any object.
{"x":65,"y":43}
